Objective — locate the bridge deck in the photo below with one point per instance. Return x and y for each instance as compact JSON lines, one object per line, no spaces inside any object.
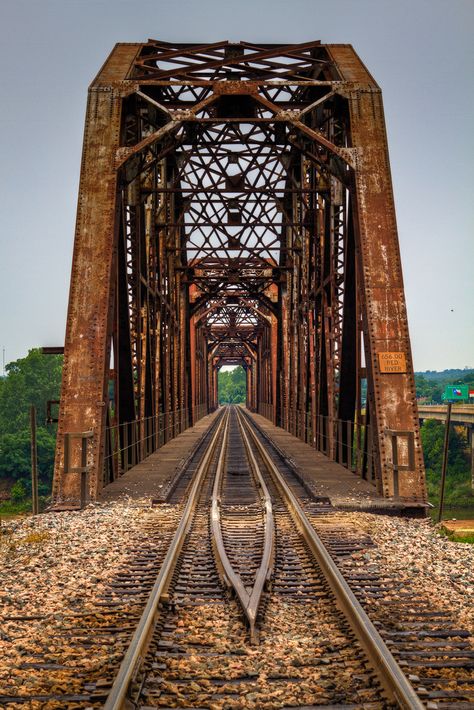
{"x":149,"y":478}
{"x":323,"y":477}
{"x":327,"y":478}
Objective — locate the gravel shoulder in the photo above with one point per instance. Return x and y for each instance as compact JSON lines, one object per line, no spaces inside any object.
{"x":431,"y":565}
{"x":56,"y":566}
{"x":60,"y":562}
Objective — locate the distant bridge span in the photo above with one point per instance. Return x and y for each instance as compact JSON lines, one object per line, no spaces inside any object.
{"x":460,"y":414}
{"x":235,"y":207}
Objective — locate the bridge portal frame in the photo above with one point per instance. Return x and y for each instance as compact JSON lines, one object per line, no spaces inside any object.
{"x":309,"y":347}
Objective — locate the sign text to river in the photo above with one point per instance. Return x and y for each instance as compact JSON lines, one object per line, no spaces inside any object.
{"x":392,"y":362}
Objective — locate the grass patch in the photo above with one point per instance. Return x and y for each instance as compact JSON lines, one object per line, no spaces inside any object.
{"x":465,"y":538}
{"x":34,"y":538}
{"x":453,"y":537}
{"x":10,"y":507}
{"x":29,"y":545}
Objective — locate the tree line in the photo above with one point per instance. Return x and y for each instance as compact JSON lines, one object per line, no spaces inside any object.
{"x":36,"y":379}
{"x":32,"y":380}
{"x":232,"y":386}
{"x":430,"y":388}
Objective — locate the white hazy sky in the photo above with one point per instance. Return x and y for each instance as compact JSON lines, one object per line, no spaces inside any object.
{"x":421,"y":52}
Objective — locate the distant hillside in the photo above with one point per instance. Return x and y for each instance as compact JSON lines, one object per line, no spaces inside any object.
{"x":442,"y":375}
{"x":431,"y":384}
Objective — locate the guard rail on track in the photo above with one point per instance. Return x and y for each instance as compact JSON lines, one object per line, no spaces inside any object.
{"x":250,"y":601}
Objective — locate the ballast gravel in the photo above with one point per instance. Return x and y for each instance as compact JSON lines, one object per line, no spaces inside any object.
{"x":432,"y":566}
{"x":59,"y":564}
{"x":54,"y":568}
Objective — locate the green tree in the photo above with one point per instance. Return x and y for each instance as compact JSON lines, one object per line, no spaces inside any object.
{"x":458,"y":487}
{"x":432,"y":437}
{"x":232,"y":386}
{"x":15,"y":457}
{"x":30,"y":380}
{"x":431,"y":389}
{"x":34,"y":379}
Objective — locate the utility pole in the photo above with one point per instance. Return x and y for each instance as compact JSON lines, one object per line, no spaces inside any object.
{"x":445,"y":461}
{"x":34,"y":462}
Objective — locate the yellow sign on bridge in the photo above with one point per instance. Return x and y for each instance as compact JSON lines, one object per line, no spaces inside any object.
{"x":392,"y":362}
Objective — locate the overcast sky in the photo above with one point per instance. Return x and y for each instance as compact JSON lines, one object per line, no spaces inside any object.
{"x":421,"y":52}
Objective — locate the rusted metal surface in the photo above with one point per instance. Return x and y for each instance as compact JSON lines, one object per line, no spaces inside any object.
{"x":236,"y":207}
{"x":84,"y":387}
{"x":391,"y":397}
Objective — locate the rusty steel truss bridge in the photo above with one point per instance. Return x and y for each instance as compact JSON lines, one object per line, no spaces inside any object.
{"x":236,"y":207}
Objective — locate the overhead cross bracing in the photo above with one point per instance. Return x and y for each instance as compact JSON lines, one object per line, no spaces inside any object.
{"x":236,"y":208}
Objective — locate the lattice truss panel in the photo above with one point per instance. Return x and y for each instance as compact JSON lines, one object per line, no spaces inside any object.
{"x":242,"y":184}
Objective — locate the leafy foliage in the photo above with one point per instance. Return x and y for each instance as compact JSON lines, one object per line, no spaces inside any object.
{"x":232,"y":386}
{"x":18,"y":491}
{"x":448,"y":376}
{"x":31,"y":380}
{"x":458,"y":488}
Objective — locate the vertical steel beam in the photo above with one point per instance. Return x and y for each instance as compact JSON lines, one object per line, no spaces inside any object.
{"x":392,"y":394}
{"x":89,"y":320}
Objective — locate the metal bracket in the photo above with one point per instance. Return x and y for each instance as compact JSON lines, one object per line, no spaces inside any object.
{"x":83,"y":469}
{"x":394,"y":435}
{"x":49,"y":411}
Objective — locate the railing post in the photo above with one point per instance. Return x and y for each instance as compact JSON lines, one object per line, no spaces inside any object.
{"x":348,"y":460}
{"x":125,"y":453}
{"x":339,"y":441}
{"x":396,"y":486}
{"x":83,"y":469}
{"x":370,"y":453}
{"x":133,"y":444}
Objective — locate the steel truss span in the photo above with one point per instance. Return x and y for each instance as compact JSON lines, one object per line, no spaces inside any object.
{"x":235,"y":207}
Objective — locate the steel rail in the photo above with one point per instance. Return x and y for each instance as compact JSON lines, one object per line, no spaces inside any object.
{"x":388,"y":671}
{"x":139,"y":643}
{"x":249,"y":600}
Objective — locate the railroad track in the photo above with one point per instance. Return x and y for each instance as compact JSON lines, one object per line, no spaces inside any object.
{"x":244,"y":520}
{"x":256,"y":604}
{"x":64,"y":659}
{"x":237,"y":534}
{"x":435,"y":654}
{"x":73,"y":662}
